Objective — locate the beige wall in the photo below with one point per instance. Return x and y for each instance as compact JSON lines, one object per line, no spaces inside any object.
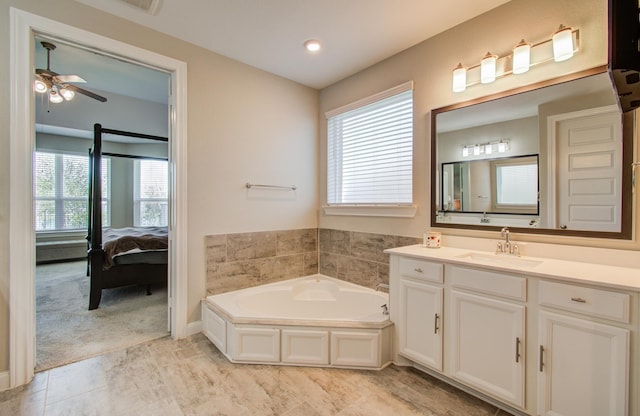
{"x":430,"y":64}
{"x":243,"y":124}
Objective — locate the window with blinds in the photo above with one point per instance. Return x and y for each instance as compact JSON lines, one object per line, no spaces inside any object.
{"x":62,"y":191}
{"x":151,"y":193}
{"x":370,"y":150}
{"x":517,"y":184}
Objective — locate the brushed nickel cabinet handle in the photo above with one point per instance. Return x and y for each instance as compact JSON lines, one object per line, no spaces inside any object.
{"x":541,"y":358}
{"x":517,"y":349}
{"x":435,"y":324}
{"x":579,"y":300}
{"x":418,"y":269}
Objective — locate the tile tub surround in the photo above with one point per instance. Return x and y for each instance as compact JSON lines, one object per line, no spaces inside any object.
{"x":358,"y":257}
{"x":238,"y":261}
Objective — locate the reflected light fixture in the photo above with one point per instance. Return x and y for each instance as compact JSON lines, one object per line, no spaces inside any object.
{"x":500,"y":146}
{"x":488,"y":68}
{"x":459,"y":78}
{"x":313,"y":45}
{"x":562,"y":44}
{"x":559,"y":47}
{"x":521,"y":57}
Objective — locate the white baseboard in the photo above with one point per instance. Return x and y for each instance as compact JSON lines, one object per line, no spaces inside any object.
{"x":194,"y":328}
{"x":4,"y":380}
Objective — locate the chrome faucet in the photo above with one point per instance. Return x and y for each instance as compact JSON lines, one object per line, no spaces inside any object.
{"x":507,"y":246}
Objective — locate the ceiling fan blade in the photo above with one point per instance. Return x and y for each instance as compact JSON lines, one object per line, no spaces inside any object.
{"x":70,"y":78}
{"x":46,"y":72}
{"x":85,"y":92}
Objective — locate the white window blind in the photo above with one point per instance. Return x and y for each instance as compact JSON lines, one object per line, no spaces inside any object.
{"x":62,"y":191}
{"x":151,"y":193}
{"x":370,"y":150}
{"x":517,"y":184}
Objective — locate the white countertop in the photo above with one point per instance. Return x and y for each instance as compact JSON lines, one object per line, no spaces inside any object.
{"x":571,"y":271}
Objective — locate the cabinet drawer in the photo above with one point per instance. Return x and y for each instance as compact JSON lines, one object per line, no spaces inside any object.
{"x":499,"y":284}
{"x":421,"y":269}
{"x":594,"y":302}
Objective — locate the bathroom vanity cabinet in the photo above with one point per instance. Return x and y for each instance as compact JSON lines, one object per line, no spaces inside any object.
{"x":534,"y":336}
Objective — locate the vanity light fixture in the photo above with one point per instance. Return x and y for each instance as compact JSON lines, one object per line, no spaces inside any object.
{"x":478,"y":149}
{"x":459,"y":78}
{"x":488,"y":68}
{"x":521,"y":57}
{"x":561,"y":46}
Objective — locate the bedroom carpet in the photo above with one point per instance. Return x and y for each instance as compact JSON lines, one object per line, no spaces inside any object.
{"x":66,"y":331}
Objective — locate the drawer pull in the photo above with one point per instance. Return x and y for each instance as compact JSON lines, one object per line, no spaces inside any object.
{"x":517,"y":349}
{"x":579,"y":300}
{"x":541,"y":357}
{"x":435,"y":324}
{"x":418,"y":269}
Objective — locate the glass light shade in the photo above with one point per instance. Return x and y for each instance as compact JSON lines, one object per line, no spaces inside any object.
{"x":465,"y":151}
{"x":40,"y":86}
{"x":476,"y":150}
{"x":55,"y":98}
{"x":503,"y":146}
{"x":521,"y":57}
{"x":562,"y":44}
{"x":488,"y":149}
{"x":459,"y":78}
{"x":488,"y":68}
{"x":67,"y":94}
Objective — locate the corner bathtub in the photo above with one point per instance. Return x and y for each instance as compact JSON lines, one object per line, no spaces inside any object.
{"x":312,"y":321}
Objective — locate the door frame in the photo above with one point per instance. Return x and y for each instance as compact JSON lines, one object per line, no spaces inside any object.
{"x":23,"y":27}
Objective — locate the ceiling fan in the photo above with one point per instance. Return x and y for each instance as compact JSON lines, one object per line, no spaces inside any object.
{"x":59,"y":86}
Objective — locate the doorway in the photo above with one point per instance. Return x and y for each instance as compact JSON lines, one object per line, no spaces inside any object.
{"x":24,"y":26}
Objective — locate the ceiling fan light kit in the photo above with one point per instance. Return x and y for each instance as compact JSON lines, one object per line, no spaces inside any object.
{"x":58,"y":86}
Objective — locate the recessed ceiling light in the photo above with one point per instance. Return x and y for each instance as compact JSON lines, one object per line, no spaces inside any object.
{"x":313,"y":45}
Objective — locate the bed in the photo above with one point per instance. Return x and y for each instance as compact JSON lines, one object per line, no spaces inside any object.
{"x":123,"y":256}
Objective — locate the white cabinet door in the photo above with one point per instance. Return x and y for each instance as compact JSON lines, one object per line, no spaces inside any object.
{"x":487,"y":345}
{"x":420,"y":323}
{"x":583,"y":367}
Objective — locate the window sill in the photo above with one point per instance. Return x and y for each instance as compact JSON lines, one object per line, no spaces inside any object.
{"x":398,"y":211}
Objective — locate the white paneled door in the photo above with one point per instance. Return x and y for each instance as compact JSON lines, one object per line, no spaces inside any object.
{"x":589,"y":177}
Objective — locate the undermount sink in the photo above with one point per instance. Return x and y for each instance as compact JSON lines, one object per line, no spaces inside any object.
{"x":500,"y":259}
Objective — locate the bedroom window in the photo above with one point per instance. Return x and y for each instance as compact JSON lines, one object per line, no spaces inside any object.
{"x":370,"y":150}
{"x":151,"y":193}
{"x":61,"y":191}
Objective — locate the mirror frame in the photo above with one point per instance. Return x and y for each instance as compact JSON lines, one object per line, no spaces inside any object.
{"x":628,"y":125}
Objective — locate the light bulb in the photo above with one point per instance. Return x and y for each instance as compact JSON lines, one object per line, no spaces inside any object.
{"x":459,"y":78}
{"x":313,"y":45}
{"x":54,"y":97}
{"x":488,"y":68}
{"x":521,"y":57}
{"x":39,"y":86}
{"x":67,"y":94}
{"x":562,"y":44}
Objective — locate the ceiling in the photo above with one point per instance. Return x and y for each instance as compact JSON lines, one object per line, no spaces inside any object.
{"x":269,"y":34}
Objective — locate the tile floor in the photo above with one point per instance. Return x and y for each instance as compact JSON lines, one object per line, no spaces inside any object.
{"x":191,"y":377}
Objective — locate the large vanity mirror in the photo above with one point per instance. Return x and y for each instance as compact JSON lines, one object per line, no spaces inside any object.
{"x":554,"y":158}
